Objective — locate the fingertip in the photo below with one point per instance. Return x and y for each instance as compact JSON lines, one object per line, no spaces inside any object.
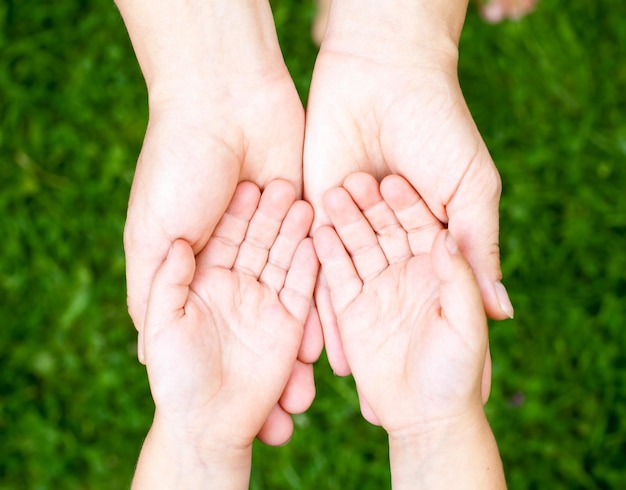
{"x":140,"y":349}
{"x":335,"y":352}
{"x":450,"y":264}
{"x":498,"y":305}
{"x":278,"y":428}
{"x":330,"y":330}
{"x":312,"y":338}
{"x":137,"y":311}
{"x":306,"y":264}
{"x":339,"y":365}
{"x":357,"y":179}
{"x":459,"y":292}
{"x":398,"y":192}
{"x":248,"y":187}
{"x":361,"y":184}
{"x":392,"y":182}
{"x":178,"y":246}
{"x":299,"y":391}
{"x":503,"y":299}
{"x":324,"y":241}
{"x":307,"y":247}
{"x":297,"y":291}
{"x":181,"y":259}
{"x":333,"y":199}
{"x":483,"y":254}
{"x":445,"y":256}
{"x":245,"y":199}
{"x":304,"y":210}
{"x":280,"y":190}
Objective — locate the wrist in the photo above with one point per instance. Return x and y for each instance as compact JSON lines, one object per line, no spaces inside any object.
{"x":184,"y":45}
{"x":171,"y":458}
{"x":456,"y":453}
{"x":427,"y":435}
{"x":396,"y":30}
{"x":206,"y":442}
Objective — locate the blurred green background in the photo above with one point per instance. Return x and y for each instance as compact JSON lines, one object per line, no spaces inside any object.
{"x":549,"y":96}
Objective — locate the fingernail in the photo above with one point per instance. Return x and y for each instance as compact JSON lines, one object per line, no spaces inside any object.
{"x":140,"y":353}
{"x":451,"y":245}
{"x":503,"y":299}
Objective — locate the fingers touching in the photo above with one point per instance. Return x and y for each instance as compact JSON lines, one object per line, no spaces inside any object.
{"x":223,"y":247}
{"x":459,"y":295}
{"x":461,"y":302}
{"x":378,"y":232}
{"x":374,"y":226}
{"x":259,"y":234}
{"x":283,"y":252}
{"x":356,"y":234}
{"x":338,"y":268}
{"x":382,"y":219}
{"x":299,"y":282}
{"x":412,"y":213}
{"x":324,"y":301}
{"x":474,"y":223}
{"x":264,"y":228}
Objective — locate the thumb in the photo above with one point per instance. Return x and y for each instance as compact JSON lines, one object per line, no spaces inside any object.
{"x":460,"y":298}
{"x":474,"y":223}
{"x":170,"y":288}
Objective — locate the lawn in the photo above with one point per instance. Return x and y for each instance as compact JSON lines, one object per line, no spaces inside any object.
{"x":549,"y":96}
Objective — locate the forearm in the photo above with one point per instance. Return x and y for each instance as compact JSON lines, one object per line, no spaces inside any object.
{"x":396,"y":27}
{"x":186,"y":42}
{"x":459,"y":457}
{"x":167,"y":461}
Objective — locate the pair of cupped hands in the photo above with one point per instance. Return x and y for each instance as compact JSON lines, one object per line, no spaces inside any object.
{"x":399,"y":192}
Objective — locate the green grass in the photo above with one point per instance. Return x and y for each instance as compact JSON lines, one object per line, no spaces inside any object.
{"x":549,"y":96}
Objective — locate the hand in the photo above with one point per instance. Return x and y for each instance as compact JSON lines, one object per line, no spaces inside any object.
{"x":412,"y":324}
{"x":386,"y":100}
{"x":410,"y":319}
{"x":223,"y":109}
{"x":223,"y":329}
{"x":198,"y":146}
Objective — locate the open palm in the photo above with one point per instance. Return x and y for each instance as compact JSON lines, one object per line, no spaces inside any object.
{"x":408,"y":361}
{"x":406,"y":115}
{"x":197,"y":148}
{"x":223,"y":330}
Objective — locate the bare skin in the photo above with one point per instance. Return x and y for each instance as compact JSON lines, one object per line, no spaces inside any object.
{"x":490,"y":10}
{"x":223,"y":109}
{"x":412,"y":325}
{"x":222,"y":335}
{"x":385,"y":99}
